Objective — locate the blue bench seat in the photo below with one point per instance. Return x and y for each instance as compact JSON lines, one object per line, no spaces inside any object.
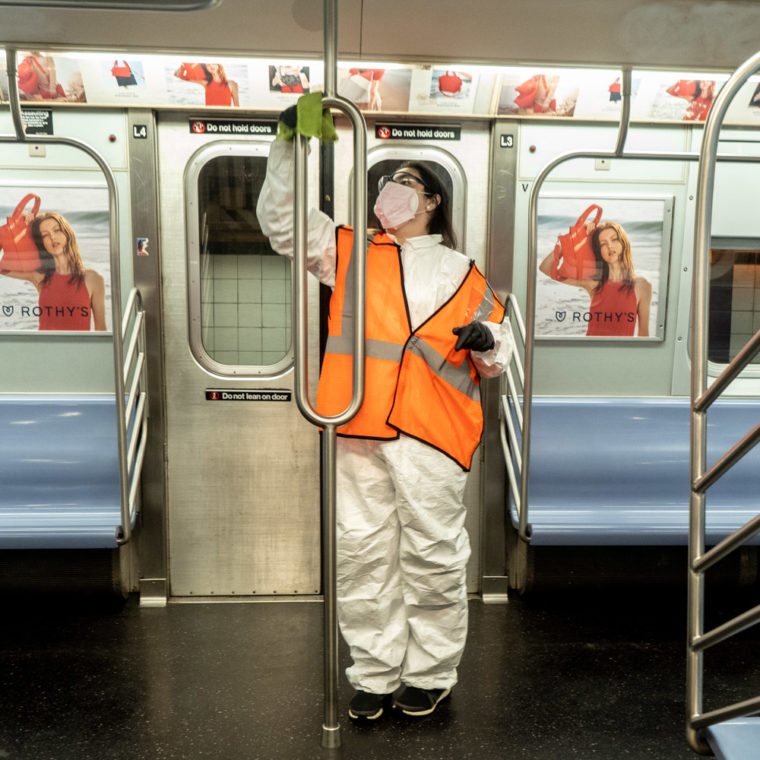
{"x":737,"y":739}
{"x":611,"y":471}
{"x":59,"y":472}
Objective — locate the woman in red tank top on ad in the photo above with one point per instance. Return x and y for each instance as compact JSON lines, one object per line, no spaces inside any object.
{"x":220,"y":91}
{"x":619,"y":299}
{"x":71,"y":297}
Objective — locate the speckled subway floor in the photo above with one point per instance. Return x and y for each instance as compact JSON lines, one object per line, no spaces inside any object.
{"x":579,"y":675}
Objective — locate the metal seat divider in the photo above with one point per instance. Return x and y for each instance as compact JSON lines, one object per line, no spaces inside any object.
{"x":523,"y":527}
{"x":330,"y":728}
{"x":509,"y":443}
{"x":700,"y":477}
{"x":128,"y":514}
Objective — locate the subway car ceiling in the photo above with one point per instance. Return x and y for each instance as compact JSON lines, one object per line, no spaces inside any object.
{"x":667,"y":33}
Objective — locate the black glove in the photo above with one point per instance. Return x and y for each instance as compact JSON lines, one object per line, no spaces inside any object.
{"x":475,"y":336}
{"x":289,"y":117}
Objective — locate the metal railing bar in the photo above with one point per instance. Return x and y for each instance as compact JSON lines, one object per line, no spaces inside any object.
{"x":515,"y":398}
{"x":133,"y":389}
{"x":726,"y":630}
{"x":516,"y":359}
{"x":133,"y":342}
{"x":625,"y":114}
{"x":737,"y":364}
{"x":727,"y":461}
{"x":736,"y":710}
{"x":358,"y":258}
{"x":513,"y":483}
{"x":513,"y":308}
{"x":727,"y":545}
{"x":136,"y":480}
{"x":140,"y":418}
{"x":134,"y":303}
{"x":512,"y":433}
{"x":113,"y":239}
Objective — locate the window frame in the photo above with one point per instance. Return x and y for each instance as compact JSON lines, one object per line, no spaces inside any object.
{"x":201,"y":158}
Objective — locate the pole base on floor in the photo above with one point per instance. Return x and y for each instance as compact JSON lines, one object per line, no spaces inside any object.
{"x":331,"y":737}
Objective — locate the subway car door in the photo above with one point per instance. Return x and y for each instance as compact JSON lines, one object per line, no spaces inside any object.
{"x":243,"y":509}
{"x":463,"y":152}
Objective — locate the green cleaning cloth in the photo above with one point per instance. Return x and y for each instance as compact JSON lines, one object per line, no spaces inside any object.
{"x":313,"y":121}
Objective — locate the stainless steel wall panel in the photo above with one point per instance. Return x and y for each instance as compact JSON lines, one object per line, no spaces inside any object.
{"x":242,"y":476}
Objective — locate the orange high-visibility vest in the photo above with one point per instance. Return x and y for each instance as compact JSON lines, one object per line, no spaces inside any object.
{"x":415,"y":382}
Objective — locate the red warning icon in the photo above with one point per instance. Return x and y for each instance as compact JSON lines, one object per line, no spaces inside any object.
{"x":383,"y":132}
{"x":198,"y":127}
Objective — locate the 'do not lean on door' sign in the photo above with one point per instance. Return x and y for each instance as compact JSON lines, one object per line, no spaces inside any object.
{"x":244,"y":394}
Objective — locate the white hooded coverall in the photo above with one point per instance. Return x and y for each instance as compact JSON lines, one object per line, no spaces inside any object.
{"x":401,"y":542}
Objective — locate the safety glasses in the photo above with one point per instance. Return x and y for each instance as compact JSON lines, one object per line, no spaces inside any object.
{"x":402,"y":178}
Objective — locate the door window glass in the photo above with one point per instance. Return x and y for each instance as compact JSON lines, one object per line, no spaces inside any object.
{"x":734,"y":302}
{"x":243,"y":296}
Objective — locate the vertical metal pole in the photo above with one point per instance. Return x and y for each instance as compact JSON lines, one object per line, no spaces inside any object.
{"x":13,"y":97}
{"x":330,"y":727}
{"x":330,"y":15}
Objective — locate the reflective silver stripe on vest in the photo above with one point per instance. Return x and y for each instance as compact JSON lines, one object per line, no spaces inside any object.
{"x":486,"y":305}
{"x":375,"y":349}
{"x":456,"y":377}
{"x":344,"y":343}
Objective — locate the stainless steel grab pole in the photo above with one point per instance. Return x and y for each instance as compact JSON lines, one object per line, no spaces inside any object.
{"x":330,"y":727}
{"x":698,"y":443}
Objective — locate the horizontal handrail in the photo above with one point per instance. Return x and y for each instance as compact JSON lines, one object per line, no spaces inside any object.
{"x":727,"y":545}
{"x":513,"y":307}
{"x":736,"y":710}
{"x":727,"y":461}
{"x":732,"y":370}
{"x":133,"y":343}
{"x":726,"y":630}
{"x":514,"y":395}
{"x":514,"y":485}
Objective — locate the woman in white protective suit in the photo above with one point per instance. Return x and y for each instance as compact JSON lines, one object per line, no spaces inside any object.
{"x":434,"y":327}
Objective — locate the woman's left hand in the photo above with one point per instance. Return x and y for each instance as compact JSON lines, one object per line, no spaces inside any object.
{"x":474,"y":337}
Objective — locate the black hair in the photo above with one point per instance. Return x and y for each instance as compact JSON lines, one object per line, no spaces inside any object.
{"x":440,"y":222}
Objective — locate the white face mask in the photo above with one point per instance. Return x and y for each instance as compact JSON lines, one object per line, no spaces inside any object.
{"x":396,"y":204}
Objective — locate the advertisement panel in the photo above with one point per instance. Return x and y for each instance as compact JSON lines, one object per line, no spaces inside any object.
{"x":602,"y":266}
{"x":54,"y":259}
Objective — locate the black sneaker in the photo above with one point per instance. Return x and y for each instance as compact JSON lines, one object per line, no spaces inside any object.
{"x":419,"y":702}
{"x":366,"y":706}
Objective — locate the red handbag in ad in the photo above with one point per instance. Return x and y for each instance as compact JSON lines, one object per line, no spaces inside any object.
{"x":527,"y":91}
{"x":121,"y":71}
{"x":192,"y":72}
{"x":450,"y":83}
{"x":28,"y":76}
{"x":574,"y":249}
{"x":20,"y":253}
{"x":683,"y":88}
